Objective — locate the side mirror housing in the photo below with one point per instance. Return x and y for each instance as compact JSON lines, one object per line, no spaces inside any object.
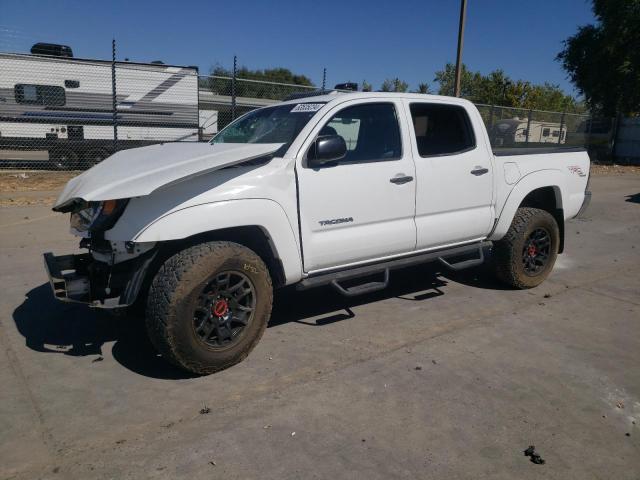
{"x":326,"y":149}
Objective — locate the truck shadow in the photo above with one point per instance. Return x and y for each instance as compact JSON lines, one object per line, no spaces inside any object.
{"x":52,"y":327}
{"x":635,"y":198}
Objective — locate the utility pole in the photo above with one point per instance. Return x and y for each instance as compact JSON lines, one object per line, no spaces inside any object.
{"x":463,"y":14}
{"x":114,"y":99}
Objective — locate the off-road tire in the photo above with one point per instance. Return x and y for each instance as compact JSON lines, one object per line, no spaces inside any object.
{"x":507,"y":253}
{"x":173,"y":294}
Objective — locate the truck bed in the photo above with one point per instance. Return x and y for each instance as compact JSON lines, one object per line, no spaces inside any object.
{"x":501,"y":152}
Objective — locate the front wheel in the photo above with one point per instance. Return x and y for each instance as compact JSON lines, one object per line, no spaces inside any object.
{"x":208,"y":306}
{"x":525,"y":256}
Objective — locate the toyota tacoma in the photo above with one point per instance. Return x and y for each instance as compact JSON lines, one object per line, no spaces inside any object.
{"x":336,"y":189}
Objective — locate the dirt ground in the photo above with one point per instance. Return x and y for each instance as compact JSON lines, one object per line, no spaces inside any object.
{"x":27,"y":181}
{"x":25,"y":188}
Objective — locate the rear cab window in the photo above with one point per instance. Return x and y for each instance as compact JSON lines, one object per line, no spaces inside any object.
{"x":441,"y":129}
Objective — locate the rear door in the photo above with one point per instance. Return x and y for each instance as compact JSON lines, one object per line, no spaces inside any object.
{"x":362,"y":207}
{"x":454,"y":172}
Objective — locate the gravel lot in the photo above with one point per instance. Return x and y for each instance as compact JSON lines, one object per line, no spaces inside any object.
{"x":440,"y":376}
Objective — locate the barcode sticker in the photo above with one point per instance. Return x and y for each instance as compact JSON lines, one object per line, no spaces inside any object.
{"x":307,"y":107}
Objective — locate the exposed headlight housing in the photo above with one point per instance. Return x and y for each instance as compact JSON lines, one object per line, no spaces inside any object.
{"x":97,"y":216}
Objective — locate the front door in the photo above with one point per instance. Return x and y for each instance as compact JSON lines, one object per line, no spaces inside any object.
{"x":362,"y":207}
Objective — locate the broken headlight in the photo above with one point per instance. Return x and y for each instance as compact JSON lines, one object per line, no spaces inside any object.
{"x":97,"y":216}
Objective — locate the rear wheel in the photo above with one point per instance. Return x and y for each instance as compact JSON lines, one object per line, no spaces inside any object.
{"x":209,"y":305}
{"x":525,"y":256}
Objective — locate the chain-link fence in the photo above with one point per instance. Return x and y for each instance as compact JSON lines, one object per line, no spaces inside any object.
{"x":222,"y":99}
{"x":516,"y":127}
{"x":67,"y":113}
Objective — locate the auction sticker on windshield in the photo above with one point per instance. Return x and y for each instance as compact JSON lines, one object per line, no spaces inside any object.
{"x":307,"y":107}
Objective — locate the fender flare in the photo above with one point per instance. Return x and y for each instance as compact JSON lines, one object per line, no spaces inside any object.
{"x":526,"y":185}
{"x":208,"y":217}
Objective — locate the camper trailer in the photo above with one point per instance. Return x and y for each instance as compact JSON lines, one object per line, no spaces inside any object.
{"x":513,"y":132}
{"x":64,"y":107}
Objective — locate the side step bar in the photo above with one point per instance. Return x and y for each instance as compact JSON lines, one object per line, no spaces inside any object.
{"x":363,"y":287}
{"x":473,"y":262}
{"x":334,"y":278}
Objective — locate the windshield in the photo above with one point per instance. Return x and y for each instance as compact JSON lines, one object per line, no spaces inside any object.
{"x":280,"y":124}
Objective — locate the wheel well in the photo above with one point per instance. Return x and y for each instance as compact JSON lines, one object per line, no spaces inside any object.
{"x":251,"y":236}
{"x":550,"y":200}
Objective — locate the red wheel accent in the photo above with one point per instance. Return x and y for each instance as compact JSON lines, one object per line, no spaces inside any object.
{"x":220,"y":308}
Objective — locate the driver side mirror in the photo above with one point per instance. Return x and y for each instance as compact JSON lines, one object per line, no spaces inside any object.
{"x":326,"y":149}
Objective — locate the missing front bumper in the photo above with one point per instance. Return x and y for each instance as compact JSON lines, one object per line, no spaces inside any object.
{"x":82,"y":279}
{"x":66,"y":278}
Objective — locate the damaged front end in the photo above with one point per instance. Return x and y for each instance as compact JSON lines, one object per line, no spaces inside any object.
{"x":111,"y":273}
{"x":104,"y":277}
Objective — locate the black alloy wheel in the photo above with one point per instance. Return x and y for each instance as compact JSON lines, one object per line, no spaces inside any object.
{"x":535,"y":252}
{"x":224,"y":309}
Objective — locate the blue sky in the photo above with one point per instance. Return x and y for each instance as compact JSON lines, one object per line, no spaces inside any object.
{"x":354,"y":40}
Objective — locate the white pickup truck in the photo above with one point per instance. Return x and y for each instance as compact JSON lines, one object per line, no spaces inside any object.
{"x":337,"y":189}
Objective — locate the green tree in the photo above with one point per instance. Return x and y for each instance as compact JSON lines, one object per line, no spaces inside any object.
{"x":497,"y":88}
{"x":222,"y":86}
{"x":603,"y":60}
{"x":366,"y":86}
{"x":423,"y":88}
{"x":394,"y":85}
{"x":446,"y":81}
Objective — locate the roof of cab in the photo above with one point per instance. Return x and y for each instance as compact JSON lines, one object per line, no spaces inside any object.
{"x":335,"y":96}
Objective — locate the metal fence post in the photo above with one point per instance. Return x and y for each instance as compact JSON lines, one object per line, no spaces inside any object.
{"x":528,"y":126}
{"x":113,"y":95}
{"x":614,"y":135}
{"x":233,"y":88}
{"x":561,"y":126}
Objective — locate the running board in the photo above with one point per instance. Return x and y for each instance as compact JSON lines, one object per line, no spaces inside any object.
{"x":335,"y":277}
{"x":472,"y":262}
{"x":363,"y":287}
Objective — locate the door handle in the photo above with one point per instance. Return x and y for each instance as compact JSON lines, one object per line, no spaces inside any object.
{"x":478,"y":170}
{"x":400,"y":179}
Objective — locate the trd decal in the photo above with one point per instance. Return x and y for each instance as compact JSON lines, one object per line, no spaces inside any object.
{"x":577,"y":170}
{"x":335,"y":221}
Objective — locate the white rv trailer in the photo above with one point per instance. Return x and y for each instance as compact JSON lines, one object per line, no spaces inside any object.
{"x":64,"y":106}
{"x":514,"y":131}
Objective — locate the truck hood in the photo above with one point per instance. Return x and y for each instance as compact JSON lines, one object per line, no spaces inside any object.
{"x":140,"y":171}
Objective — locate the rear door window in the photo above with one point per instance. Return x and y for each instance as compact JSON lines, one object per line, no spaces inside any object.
{"x":441,"y":129}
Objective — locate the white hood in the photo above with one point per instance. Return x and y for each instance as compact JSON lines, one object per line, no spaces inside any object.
{"x":140,"y":171}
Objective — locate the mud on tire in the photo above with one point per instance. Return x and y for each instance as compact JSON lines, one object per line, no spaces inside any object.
{"x":175,"y":309}
{"x":517,"y":259}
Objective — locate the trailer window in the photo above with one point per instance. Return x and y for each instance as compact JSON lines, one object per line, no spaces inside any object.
{"x":545,"y":132}
{"x":47,"y":95}
{"x":441,"y":129}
